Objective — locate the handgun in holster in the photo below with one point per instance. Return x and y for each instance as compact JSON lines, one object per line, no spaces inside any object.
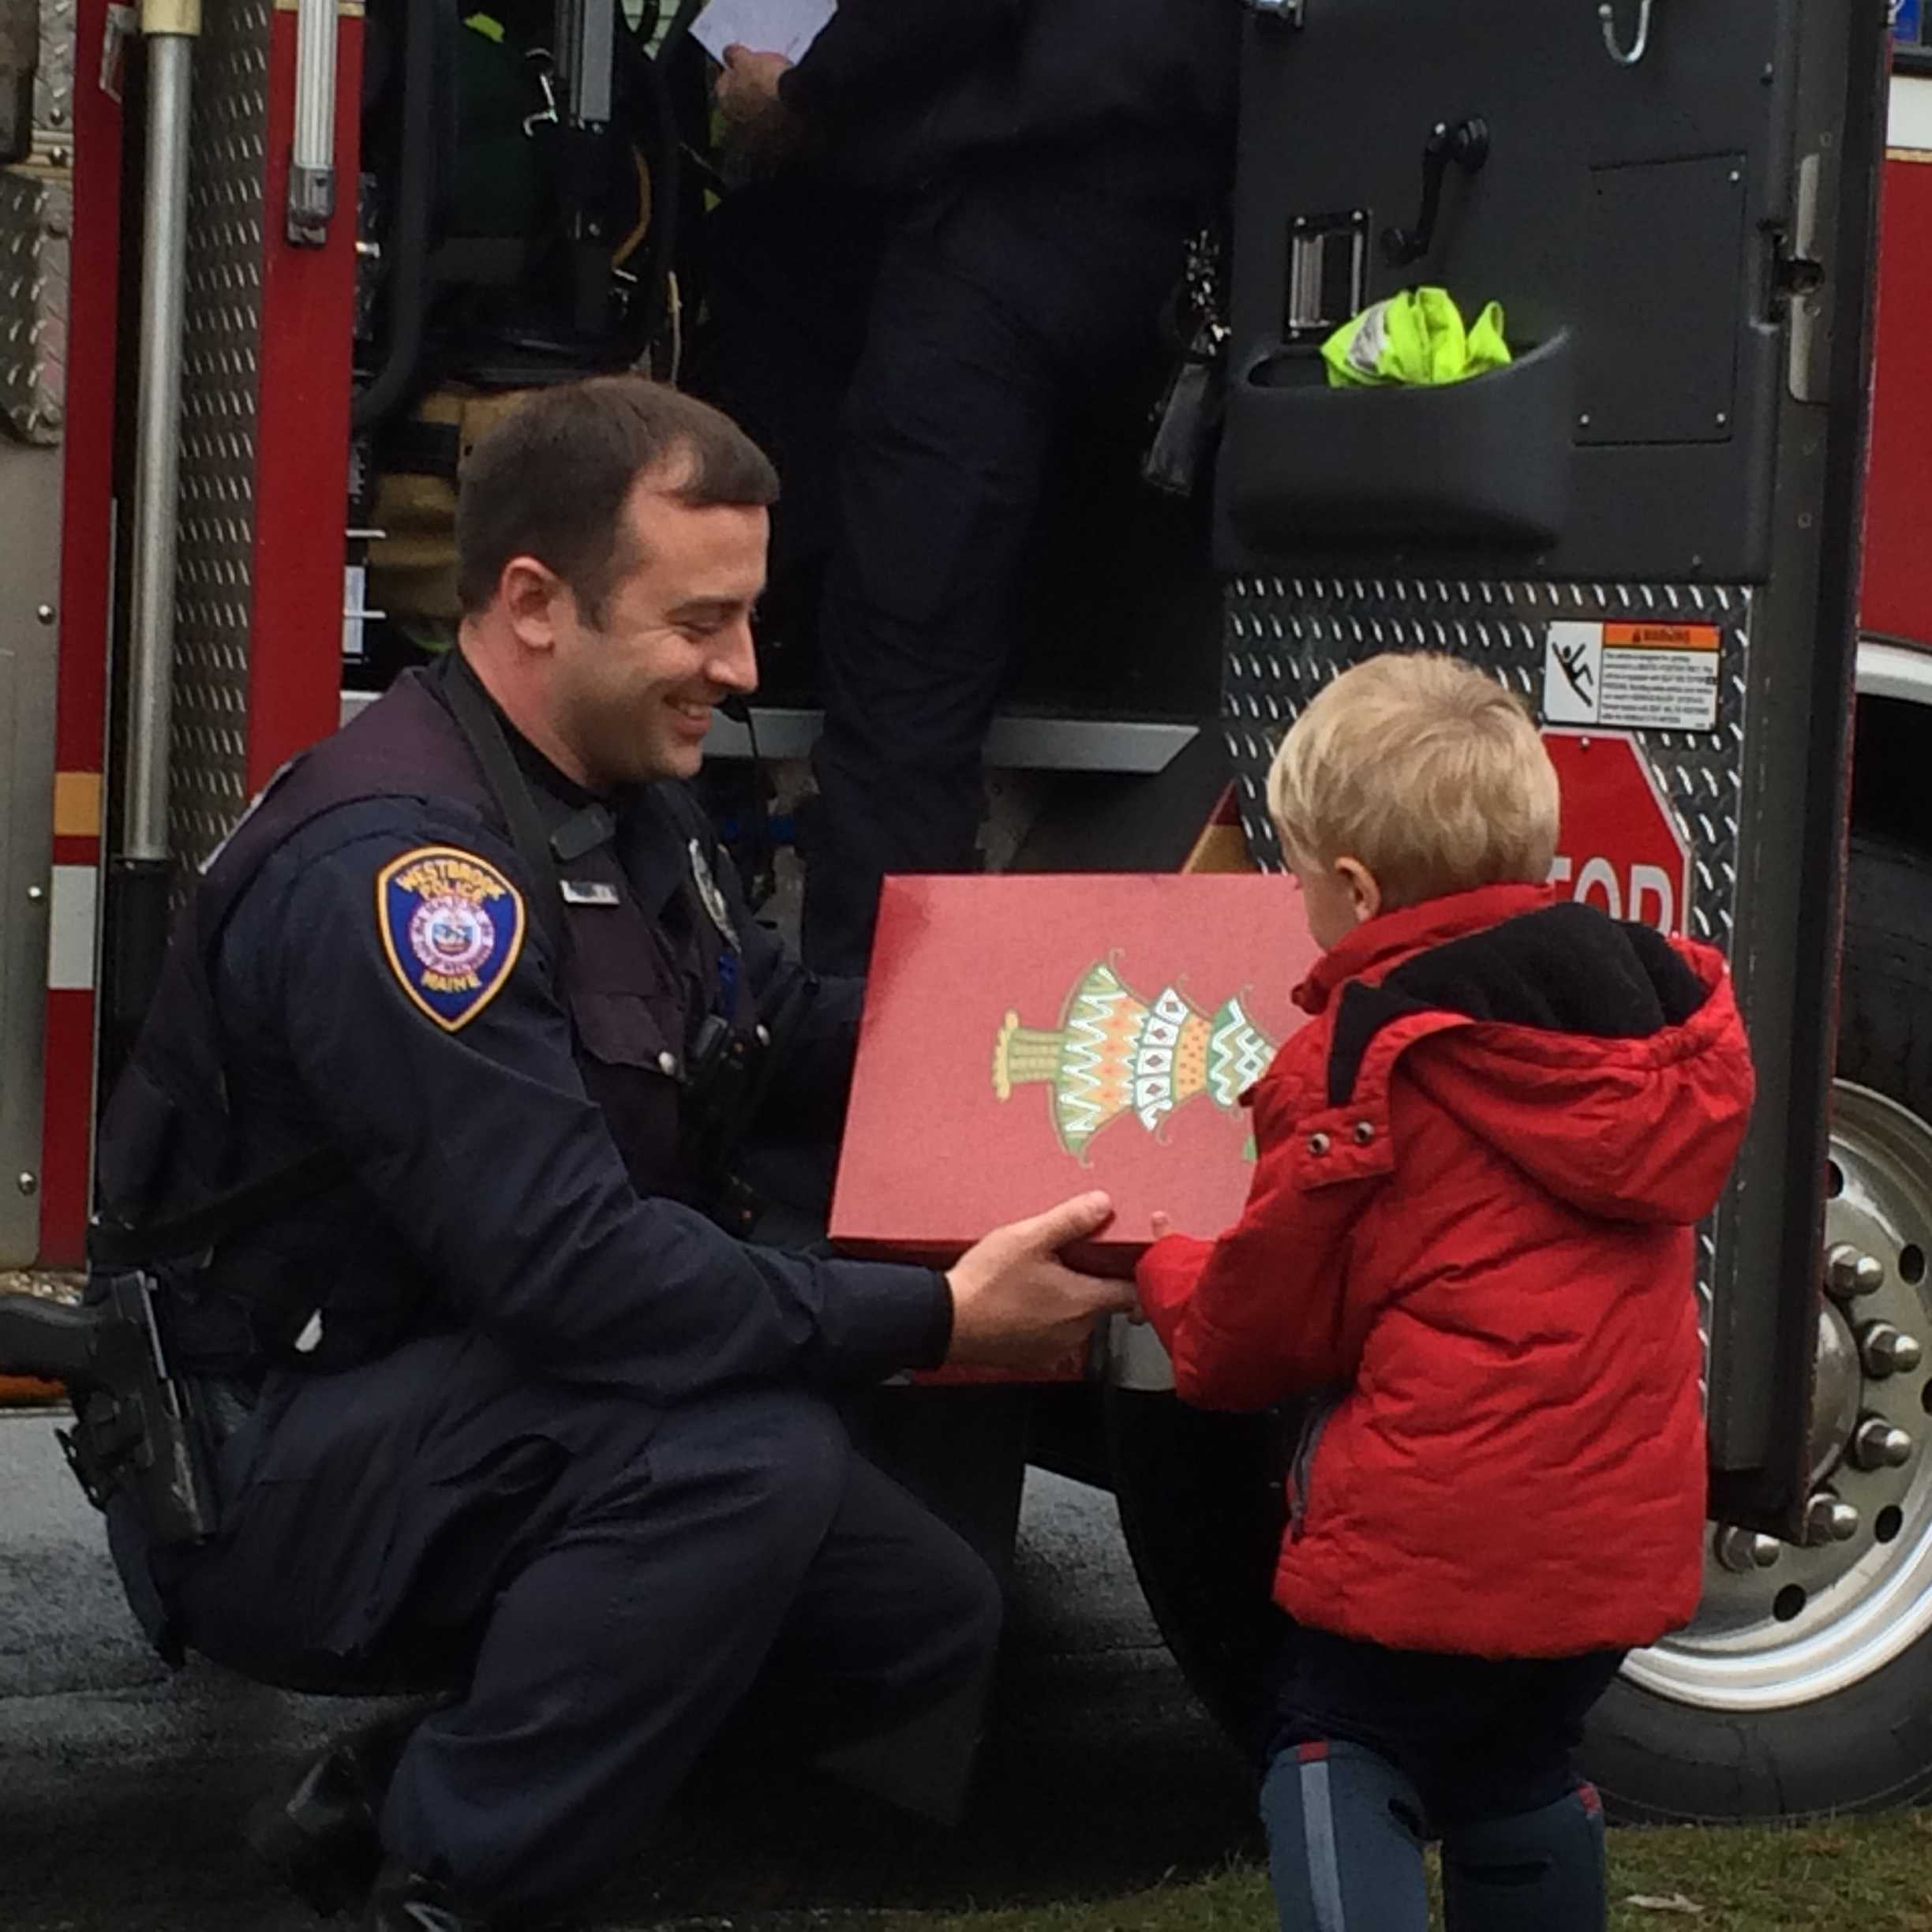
{"x":729,"y":1077}
{"x":136,"y":1431}
{"x":721,"y":1085}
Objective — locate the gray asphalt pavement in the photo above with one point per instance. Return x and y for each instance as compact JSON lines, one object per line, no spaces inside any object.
{"x":121,"y":1788}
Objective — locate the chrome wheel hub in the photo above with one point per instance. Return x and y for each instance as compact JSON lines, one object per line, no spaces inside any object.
{"x":1837,"y":1392}
{"x":1812,"y":1621}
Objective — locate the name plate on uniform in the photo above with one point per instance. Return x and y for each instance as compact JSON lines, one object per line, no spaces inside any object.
{"x":1026,"y":1038}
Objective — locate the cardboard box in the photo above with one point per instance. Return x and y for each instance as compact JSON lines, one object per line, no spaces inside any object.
{"x":1029,"y":1037}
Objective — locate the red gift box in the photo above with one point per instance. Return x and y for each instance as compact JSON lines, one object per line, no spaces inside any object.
{"x":1029,"y":1037}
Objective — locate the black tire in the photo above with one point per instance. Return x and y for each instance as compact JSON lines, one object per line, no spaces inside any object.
{"x":1869,"y":1745}
{"x":1201,"y":1511}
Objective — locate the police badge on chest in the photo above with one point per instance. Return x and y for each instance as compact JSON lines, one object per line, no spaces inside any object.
{"x":710,"y":898}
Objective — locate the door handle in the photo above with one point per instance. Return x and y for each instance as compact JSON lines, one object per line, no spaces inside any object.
{"x":1466,"y":144}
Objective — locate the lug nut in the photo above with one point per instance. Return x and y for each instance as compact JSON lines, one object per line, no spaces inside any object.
{"x":1829,"y":1518}
{"x":1849,"y":1274}
{"x":1747,"y":1550}
{"x":1885,"y":1350}
{"x":1877,"y":1443}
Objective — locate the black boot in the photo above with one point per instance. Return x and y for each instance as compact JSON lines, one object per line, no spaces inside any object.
{"x":1345,"y":1837}
{"x":1541,"y":1871}
{"x":407,"y":1902}
{"x":322,"y":1840}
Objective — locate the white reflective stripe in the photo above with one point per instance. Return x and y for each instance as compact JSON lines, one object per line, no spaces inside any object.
{"x":1894,"y":671}
{"x":1370,"y":339}
{"x":1318,"y":1832}
{"x":70,"y":934}
{"x":1911,"y":111}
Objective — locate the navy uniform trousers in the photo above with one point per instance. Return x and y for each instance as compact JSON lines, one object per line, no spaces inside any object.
{"x":1001,"y":316}
{"x":999,"y":321}
{"x":606,"y":1583}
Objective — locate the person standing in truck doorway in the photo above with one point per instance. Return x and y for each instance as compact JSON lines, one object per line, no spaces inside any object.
{"x":1034,"y":170}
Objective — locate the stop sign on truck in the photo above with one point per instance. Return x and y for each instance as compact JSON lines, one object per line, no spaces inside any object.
{"x":1619,"y":847}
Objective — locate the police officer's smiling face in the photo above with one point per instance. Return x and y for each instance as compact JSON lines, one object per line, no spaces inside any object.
{"x":633,"y":692}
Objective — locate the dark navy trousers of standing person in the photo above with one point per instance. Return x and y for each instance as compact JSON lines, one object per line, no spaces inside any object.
{"x":608,"y":1583}
{"x":1003,"y":314}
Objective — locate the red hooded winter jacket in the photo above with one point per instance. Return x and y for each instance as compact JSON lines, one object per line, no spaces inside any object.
{"x":1473,"y":1217}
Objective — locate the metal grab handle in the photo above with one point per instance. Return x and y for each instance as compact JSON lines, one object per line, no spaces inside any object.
{"x":312,"y":162}
{"x":169,"y":28}
{"x":1467,"y":144}
{"x":1607,"y":13}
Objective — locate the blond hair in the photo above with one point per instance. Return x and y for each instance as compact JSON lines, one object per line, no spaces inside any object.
{"x":1427,"y":771}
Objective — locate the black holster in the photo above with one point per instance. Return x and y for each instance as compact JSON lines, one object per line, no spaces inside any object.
{"x":136,"y":1435}
{"x":730,"y":1076}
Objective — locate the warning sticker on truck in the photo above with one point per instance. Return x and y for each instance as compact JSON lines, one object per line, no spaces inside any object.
{"x":1640,"y":676}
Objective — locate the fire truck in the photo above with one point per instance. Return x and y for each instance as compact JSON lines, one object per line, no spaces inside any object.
{"x":259,"y":259}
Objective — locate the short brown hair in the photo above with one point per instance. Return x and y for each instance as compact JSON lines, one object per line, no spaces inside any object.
{"x":550,"y":480}
{"x":1425,"y":769}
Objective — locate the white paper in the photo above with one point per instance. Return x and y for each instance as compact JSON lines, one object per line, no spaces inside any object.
{"x":786,"y":27}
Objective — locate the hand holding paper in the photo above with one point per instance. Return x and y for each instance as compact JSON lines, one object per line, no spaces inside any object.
{"x":748,"y":90}
{"x":782,"y":27}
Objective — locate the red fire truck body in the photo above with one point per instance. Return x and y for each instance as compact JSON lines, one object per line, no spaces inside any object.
{"x":279,"y":449}
{"x":299,"y":443}
{"x":267,"y":574}
{"x":1897,"y":602}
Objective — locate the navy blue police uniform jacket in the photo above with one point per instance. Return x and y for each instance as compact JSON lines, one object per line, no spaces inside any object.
{"x":363,"y":972}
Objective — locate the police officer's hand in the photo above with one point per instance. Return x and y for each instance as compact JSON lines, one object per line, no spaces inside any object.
{"x":747,"y":88}
{"x":1016,"y":1304}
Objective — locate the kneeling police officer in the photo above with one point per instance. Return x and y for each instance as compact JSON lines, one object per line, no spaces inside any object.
{"x":423,"y":1147}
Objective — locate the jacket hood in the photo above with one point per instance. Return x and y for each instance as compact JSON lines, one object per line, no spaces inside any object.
{"x":1606,"y":1063}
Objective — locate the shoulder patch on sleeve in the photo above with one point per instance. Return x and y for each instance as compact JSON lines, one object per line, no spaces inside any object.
{"x":452,"y":927}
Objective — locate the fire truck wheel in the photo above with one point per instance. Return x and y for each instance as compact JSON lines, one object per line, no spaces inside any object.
{"x":1804,"y":1685}
{"x":1200,"y":1506}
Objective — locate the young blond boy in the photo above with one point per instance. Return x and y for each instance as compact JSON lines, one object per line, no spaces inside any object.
{"x":1471,"y":1231}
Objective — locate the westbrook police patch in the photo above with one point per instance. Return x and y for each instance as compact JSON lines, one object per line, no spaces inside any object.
{"x":452,"y":925}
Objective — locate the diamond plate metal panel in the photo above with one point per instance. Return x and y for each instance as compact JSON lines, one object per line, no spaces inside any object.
{"x":54,"y":78}
{"x":36,"y":223}
{"x":213,"y":600}
{"x":1285,"y":637}
{"x":1288,"y":637}
{"x":30,"y":513}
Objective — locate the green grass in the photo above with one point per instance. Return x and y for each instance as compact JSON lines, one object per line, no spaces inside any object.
{"x":1856,"y":1875}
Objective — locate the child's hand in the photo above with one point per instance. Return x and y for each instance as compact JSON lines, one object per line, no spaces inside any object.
{"x":1161,"y":1226}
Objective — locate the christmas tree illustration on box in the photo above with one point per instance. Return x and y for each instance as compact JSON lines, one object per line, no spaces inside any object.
{"x":1115,"y":1054}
